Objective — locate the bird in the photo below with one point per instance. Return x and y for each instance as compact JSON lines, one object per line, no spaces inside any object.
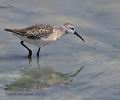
{"x":41,"y":35}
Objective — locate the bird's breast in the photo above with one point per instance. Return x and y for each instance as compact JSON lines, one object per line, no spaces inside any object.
{"x":55,"y":35}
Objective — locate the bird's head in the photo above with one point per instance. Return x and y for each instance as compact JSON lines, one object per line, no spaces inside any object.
{"x":70,"y":28}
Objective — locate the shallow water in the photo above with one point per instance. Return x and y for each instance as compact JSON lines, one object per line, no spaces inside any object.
{"x":97,"y":21}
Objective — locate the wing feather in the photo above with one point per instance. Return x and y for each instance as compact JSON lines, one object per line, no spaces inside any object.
{"x":34,"y":32}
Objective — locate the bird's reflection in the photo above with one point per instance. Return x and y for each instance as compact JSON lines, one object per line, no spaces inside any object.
{"x":37,"y":78}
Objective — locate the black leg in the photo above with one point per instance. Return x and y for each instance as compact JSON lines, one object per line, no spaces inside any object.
{"x":38,"y":52}
{"x":30,"y":51}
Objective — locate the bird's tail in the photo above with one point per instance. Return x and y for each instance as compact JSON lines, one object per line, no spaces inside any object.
{"x":9,"y":30}
{"x":16,"y":31}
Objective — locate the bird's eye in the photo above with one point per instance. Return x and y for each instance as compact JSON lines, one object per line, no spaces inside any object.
{"x":72,"y":28}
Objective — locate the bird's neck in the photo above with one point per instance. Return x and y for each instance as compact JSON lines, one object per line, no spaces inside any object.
{"x":58,"y":32}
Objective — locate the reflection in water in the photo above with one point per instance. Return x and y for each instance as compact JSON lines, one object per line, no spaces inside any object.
{"x":98,"y":21}
{"x":40,"y":78}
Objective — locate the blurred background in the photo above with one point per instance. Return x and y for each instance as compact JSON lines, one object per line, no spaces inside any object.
{"x":97,"y":21}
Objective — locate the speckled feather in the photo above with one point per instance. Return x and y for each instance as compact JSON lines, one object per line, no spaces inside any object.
{"x":34,"y":32}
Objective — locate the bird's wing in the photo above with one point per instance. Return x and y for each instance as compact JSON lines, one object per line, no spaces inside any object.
{"x":34,"y":32}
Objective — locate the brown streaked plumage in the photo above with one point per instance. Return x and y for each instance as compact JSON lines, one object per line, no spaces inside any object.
{"x":34,"y":32}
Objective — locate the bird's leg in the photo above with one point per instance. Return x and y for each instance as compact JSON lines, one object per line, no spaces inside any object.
{"x":30,"y":51}
{"x":38,"y":52}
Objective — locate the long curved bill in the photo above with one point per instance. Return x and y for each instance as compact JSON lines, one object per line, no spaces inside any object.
{"x":79,"y":36}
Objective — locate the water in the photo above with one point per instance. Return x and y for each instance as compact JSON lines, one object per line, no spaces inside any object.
{"x":96,"y":20}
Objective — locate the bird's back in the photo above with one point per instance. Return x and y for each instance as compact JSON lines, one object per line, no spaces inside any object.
{"x":34,"y":32}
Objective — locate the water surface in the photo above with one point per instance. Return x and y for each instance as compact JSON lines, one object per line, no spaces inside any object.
{"x":97,"y":21}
